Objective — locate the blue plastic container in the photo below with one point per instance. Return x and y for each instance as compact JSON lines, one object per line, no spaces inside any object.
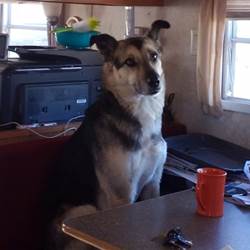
{"x":75,"y":40}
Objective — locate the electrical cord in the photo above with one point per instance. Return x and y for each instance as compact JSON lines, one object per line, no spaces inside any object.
{"x":66,"y":130}
{"x":72,"y":119}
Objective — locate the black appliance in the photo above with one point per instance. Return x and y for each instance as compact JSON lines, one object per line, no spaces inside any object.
{"x":206,"y":150}
{"x":48,"y":85}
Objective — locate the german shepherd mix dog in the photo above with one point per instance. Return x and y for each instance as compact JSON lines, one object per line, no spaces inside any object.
{"x":116,"y":156}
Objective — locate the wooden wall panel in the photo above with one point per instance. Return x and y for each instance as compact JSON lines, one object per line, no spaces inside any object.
{"x":110,"y":2}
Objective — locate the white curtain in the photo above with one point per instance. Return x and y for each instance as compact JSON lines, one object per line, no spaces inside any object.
{"x":210,"y":54}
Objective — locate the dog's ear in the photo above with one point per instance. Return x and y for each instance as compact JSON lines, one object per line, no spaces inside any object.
{"x":106,"y":44}
{"x":155,"y":28}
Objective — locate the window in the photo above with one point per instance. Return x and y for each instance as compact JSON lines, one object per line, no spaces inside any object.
{"x":26,"y":24}
{"x":236,"y":63}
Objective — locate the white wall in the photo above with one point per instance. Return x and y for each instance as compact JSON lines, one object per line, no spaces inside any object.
{"x":179,"y":64}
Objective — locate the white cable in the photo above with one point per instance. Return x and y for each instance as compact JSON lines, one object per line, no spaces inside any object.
{"x":51,"y":137}
{"x":8,"y":123}
{"x":72,"y":119}
{"x":36,"y":133}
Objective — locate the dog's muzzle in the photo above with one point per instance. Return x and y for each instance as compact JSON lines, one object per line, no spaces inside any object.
{"x":153,"y":83}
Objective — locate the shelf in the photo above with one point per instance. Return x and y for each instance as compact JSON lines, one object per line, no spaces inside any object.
{"x":19,"y":135}
{"x":110,"y":2}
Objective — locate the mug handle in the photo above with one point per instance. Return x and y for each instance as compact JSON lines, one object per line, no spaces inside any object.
{"x":198,"y":191}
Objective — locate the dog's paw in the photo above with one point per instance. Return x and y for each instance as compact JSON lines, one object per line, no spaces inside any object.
{"x":79,"y":211}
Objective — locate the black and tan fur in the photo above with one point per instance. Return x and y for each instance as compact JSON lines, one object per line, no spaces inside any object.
{"x":116,"y":157}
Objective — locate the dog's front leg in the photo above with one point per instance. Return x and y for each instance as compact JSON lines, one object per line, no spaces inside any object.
{"x":109,"y":199}
{"x":152,"y":188}
{"x":114,"y":192}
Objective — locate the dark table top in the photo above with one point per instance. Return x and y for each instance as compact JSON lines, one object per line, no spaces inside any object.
{"x":140,"y":226}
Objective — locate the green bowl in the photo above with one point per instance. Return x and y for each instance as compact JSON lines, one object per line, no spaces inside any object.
{"x":75,"y":40}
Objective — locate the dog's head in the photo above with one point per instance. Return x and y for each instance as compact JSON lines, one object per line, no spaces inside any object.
{"x":132,"y":66}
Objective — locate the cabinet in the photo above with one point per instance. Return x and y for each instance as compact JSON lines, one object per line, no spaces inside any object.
{"x":110,"y":2}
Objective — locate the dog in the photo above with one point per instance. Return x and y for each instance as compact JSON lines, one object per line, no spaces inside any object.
{"x":116,"y":156}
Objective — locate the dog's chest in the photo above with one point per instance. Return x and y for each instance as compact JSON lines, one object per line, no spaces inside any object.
{"x":147,"y":159}
{"x":142,"y":164}
{"x":133,"y":169}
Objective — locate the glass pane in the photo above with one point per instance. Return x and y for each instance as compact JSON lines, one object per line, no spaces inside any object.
{"x":28,"y":14}
{"x":5,"y":14}
{"x":28,"y":37}
{"x":241,"y":88}
{"x":242,"y":28}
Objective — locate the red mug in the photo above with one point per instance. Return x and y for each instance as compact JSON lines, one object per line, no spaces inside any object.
{"x":210,"y":191}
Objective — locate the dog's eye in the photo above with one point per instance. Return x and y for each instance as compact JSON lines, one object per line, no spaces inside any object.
{"x":130,"y":62}
{"x":153,"y":57}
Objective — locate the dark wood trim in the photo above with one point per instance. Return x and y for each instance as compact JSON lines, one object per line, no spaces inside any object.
{"x":110,"y":2}
{"x":238,"y":15}
{"x":19,"y":135}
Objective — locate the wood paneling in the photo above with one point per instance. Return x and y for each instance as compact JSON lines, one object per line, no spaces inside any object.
{"x":110,"y":2}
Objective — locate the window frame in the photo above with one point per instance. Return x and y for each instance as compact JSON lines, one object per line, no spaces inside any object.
{"x":232,"y":103}
{"x":8,"y":26}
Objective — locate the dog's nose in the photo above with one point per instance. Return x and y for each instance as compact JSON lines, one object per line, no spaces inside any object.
{"x":153,"y":81}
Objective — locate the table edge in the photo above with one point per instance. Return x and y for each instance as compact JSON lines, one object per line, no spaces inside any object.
{"x":88,"y":239}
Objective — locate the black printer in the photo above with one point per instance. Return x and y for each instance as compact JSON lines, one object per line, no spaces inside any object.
{"x":48,"y":84}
